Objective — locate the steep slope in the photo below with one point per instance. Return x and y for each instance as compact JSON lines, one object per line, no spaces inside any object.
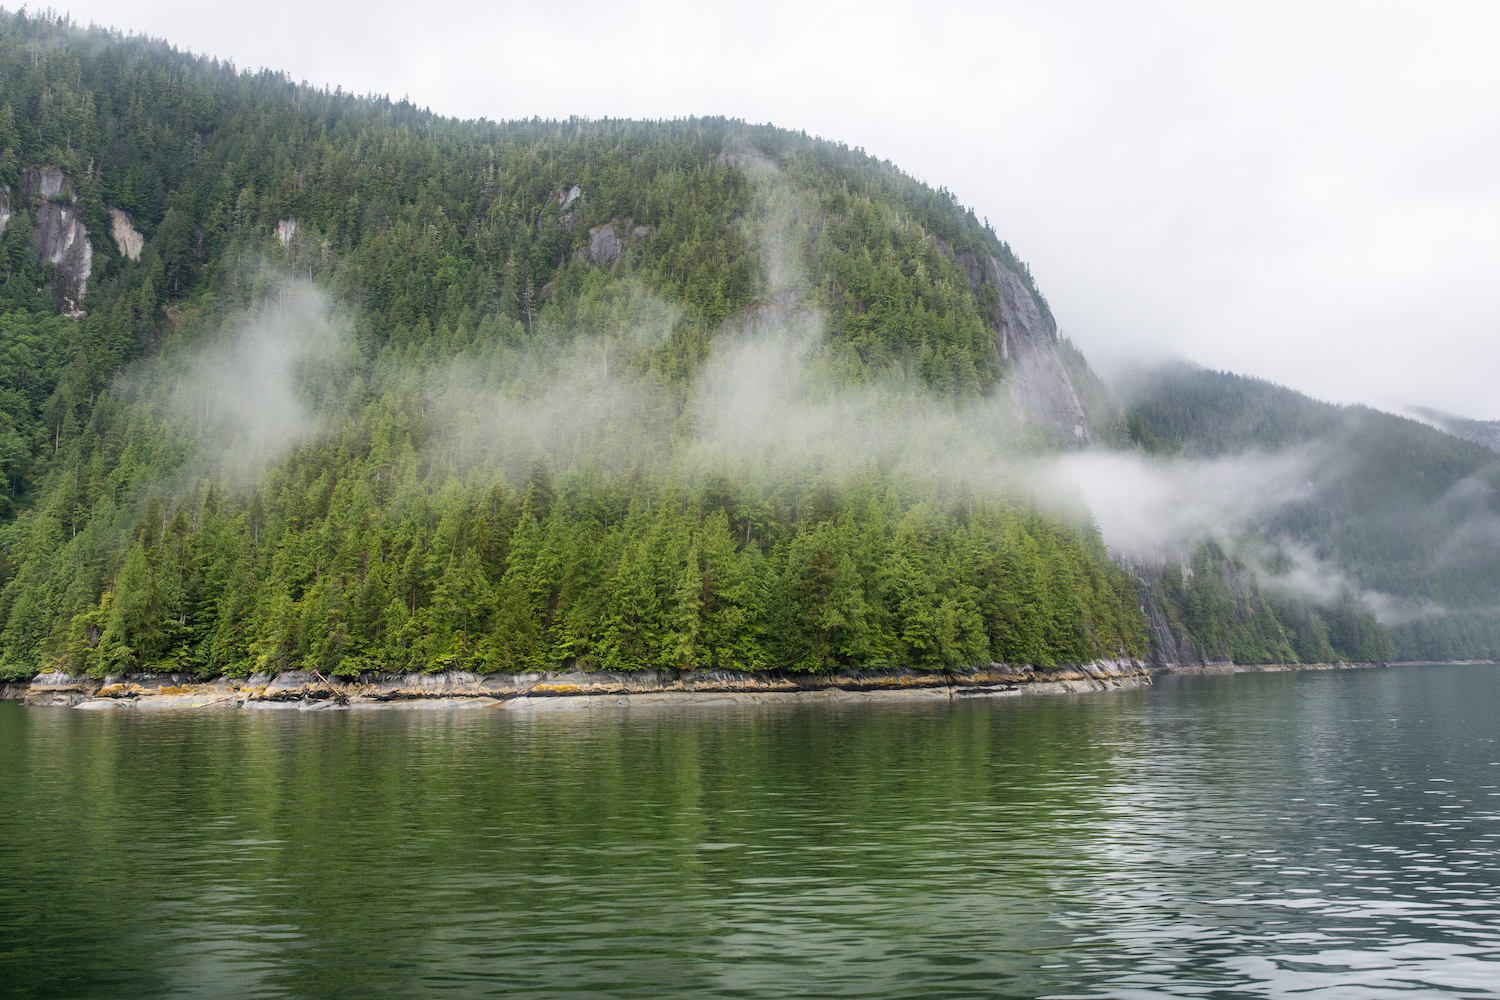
{"x":1485,"y":432}
{"x":1026,"y":340}
{"x":1394,"y":511}
{"x":337,"y":383}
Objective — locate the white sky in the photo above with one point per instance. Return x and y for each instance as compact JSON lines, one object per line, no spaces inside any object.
{"x":1308,"y":192}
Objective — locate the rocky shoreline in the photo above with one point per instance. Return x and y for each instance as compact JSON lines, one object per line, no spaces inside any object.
{"x":552,"y":691}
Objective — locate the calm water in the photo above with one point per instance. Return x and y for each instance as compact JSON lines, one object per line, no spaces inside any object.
{"x":1309,"y":835}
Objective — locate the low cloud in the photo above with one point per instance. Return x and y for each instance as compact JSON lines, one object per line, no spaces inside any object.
{"x":1145,"y":505}
{"x":762,"y":406}
{"x":1149,"y":508}
{"x":256,"y":387}
{"x":765,"y":398}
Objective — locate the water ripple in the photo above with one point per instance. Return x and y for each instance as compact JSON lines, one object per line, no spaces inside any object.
{"x":1326,"y":835}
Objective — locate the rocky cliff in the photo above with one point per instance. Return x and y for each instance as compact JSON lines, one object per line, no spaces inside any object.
{"x":60,"y":236}
{"x":1025,"y":337}
{"x":62,"y":240}
{"x":1172,"y":644}
{"x":127,"y":239}
{"x":1025,"y":333}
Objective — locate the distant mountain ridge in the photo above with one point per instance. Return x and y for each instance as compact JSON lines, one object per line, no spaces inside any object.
{"x":294,"y":380}
{"x":1402,"y":510}
{"x":1485,"y":432}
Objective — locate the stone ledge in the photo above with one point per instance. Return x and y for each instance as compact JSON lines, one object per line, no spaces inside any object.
{"x":577,"y":689}
{"x":562,"y":689}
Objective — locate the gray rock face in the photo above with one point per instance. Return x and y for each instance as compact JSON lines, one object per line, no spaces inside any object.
{"x":54,"y":688}
{"x":967,"y":260}
{"x":126,"y":237}
{"x":60,"y":236}
{"x":581,"y":689}
{"x":564,"y":200}
{"x":1166,"y":652}
{"x":604,"y":247}
{"x":295,"y":685}
{"x":1039,"y":383}
{"x":61,"y":239}
{"x":1173,"y":647}
{"x":49,"y":182}
{"x":1485,"y":432}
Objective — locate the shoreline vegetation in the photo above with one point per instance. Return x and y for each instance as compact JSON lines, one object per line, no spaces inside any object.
{"x":297,"y":381}
{"x":564,"y":690}
{"x":358,"y":388}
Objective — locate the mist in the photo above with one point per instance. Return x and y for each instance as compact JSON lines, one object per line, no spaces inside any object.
{"x":1290,"y":191}
{"x":1145,"y":505}
{"x":763,"y":407}
{"x":772,"y":402}
{"x":769,"y":406}
{"x":772,"y":405}
{"x":250,"y":389}
{"x":1153,"y":509}
{"x":1355,"y":501}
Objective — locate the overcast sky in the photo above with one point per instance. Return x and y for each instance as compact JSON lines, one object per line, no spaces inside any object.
{"x":1305,"y":192}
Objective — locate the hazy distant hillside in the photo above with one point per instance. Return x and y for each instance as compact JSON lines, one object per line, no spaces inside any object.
{"x":1485,"y":432}
{"x":298,"y":379}
{"x":295,"y":379}
{"x":1400,"y":510}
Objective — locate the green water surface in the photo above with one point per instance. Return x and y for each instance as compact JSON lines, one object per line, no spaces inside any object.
{"x":1310,"y":835}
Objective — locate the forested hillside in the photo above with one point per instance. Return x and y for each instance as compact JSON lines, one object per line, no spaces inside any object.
{"x":291,"y":378}
{"x":1405,"y":512}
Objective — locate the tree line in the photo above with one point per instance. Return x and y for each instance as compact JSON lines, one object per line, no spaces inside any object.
{"x":385,"y":531}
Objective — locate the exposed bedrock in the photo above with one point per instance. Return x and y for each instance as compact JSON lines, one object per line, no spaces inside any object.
{"x":127,"y":238}
{"x":568,"y":688}
{"x":62,"y":240}
{"x":605,"y":246}
{"x":1167,"y":651}
{"x":60,"y":236}
{"x":46,"y":183}
{"x":607,"y":243}
{"x":1039,"y":384}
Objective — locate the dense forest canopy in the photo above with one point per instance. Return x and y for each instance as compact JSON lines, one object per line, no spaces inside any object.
{"x":357,"y":386}
{"x":292,"y":378}
{"x":1403,"y":510}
